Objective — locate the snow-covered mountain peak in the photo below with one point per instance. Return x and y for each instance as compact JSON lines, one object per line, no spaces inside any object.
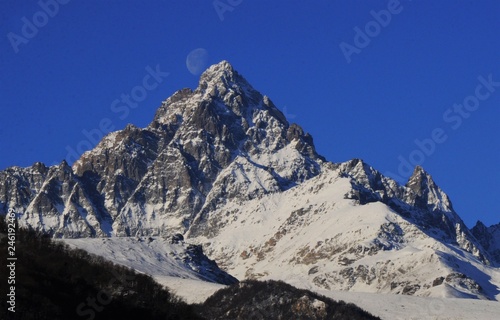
{"x":224,"y":139}
{"x":221,"y":165}
{"x":220,"y":79}
{"x":224,"y":95}
{"x":232,"y":113}
{"x":221,"y":72}
{"x":65,"y":167}
{"x":223,"y":77}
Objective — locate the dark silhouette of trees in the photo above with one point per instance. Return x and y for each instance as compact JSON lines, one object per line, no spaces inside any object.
{"x":252,"y":299}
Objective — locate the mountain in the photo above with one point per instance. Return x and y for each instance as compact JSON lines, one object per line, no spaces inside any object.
{"x":223,"y":140}
{"x":222,"y":166}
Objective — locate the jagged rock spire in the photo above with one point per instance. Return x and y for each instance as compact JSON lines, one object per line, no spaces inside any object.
{"x":425,"y":192}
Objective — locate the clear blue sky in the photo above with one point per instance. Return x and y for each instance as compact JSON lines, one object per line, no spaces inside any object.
{"x":401,"y":83}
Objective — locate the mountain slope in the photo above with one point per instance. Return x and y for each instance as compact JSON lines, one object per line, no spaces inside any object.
{"x":325,"y":239}
{"x":156,"y":257}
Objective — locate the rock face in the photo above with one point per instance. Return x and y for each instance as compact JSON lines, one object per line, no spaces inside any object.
{"x":55,"y":200}
{"x":351,"y":228}
{"x":489,"y":238}
{"x":221,"y":166}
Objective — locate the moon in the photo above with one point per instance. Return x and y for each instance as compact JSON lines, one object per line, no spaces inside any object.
{"x":197,"y":61}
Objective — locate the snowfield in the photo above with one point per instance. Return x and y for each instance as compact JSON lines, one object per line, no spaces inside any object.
{"x":400,"y":307}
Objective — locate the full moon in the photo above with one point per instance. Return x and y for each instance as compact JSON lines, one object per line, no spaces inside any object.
{"x":197,"y":60}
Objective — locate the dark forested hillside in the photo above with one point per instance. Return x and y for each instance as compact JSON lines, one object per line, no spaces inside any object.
{"x":276,"y":300}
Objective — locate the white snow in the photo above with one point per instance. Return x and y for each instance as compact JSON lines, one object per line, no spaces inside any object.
{"x":154,"y":256}
{"x":191,"y":291}
{"x":401,"y":307}
{"x":311,"y":236}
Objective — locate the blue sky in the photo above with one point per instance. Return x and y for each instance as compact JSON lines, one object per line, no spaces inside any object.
{"x":365,"y":78}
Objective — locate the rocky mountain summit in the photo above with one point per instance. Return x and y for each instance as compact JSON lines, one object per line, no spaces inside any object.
{"x":222,"y":166}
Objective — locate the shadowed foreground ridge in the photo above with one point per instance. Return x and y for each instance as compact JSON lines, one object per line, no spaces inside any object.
{"x":276,"y":300}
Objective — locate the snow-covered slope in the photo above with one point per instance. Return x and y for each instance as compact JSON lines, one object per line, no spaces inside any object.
{"x":315,"y":235}
{"x":400,"y":307}
{"x":158,"y":257}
